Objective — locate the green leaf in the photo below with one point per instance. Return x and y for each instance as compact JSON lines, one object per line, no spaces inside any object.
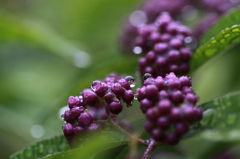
{"x":222,"y":41}
{"x":42,"y":148}
{"x":57,"y":147}
{"x":41,"y":34}
{"x":230,"y":19}
{"x":221,"y":121}
{"x":224,"y":34}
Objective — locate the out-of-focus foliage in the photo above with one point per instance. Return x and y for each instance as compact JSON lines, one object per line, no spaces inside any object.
{"x":50,"y":50}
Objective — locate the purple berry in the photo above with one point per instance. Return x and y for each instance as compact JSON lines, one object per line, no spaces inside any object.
{"x":191,"y":98}
{"x":160,"y":48}
{"x":85,"y":119}
{"x":145,"y":104}
{"x":158,"y":134}
{"x":161,"y":62}
{"x":115,"y":107}
{"x":176,"y":43}
{"x":152,"y":114}
{"x":68,"y":117}
{"x":68,"y":130}
{"x":181,"y":128}
{"x":78,"y":130}
{"x":128,"y":96}
{"x":172,"y":138}
{"x":173,"y":56}
{"x":117,"y":89}
{"x":164,"y":106}
{"x":177,"y":97}
{"x":141,"y":93}
{"x":124,"y":83}
{"x":100,"y":89}
{"x":149,"y":126}
{"x":151,"y":92}
{"x":185,"y":81}
{"x":150,"y":57}
{"x":109,"y":97}
{"x":163,"y":123}
{"x":71,"y":102}
{"x":175,"y":115}
{"x":76,"y":111}
{"x":90,"y":97}
{"x":163,"y":94}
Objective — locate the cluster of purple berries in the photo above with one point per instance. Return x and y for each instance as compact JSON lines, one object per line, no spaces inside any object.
{"x":150,"y":10}
{"x":169,"y":106}
{"x":79,"y":122}
{"x":108,"y":92}
{"x":163,"y":44}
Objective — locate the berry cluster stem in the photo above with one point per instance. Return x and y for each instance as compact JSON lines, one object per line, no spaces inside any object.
{"x":151,"y":146}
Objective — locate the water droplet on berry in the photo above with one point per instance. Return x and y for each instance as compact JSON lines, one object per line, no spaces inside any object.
{"x":146,"y":76}
{"x":135,"y":97}
{"x":131,"y":81}
{"x":94,"y":85}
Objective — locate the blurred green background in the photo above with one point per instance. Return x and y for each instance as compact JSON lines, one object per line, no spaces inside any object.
{"x":51,"y":49}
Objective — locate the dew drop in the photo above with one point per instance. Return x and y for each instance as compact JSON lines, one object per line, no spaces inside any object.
{"x":131,"y":81}
{"x":146,"y":76}
{"x":95,"y":84}
{"x":135,"y":96}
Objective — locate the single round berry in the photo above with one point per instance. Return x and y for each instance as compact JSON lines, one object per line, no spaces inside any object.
{"x":191,"y":98}
{"x":172,"y":138}
{"x":124,"y":83}
{"x":109,"y":97}
{"x":163,"y":122}
{"x":78,"y":130}
{"x":177,"y":97}
{"x":115,"y":107}
{"x":89,"y":97}
{"x":185,"y":81}
{"x":159,"y":82}
{"x":181,"y":128}
{"x":76,"y":111}
{"x":128,"y":96}
{"x":117,"y":89}
{"x":145,"y":104}
{"x":68,"y":130}
{"x":163,"y":94}
{"x":85,"y":119}
{"x":152,"y":114}
{"x":149,"y":126}
{"x":164,"y":106}
{"x":101,"y":89}
{"x":175,"y":115}
{"x":68,"y":117}
{"x":71,"y":102}
{"x":158,"y":134}
{"x":151,"y":92}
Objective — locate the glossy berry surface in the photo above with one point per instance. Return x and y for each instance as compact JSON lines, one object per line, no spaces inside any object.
{"x":163,"y":48}
{"x":169,"y":105}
